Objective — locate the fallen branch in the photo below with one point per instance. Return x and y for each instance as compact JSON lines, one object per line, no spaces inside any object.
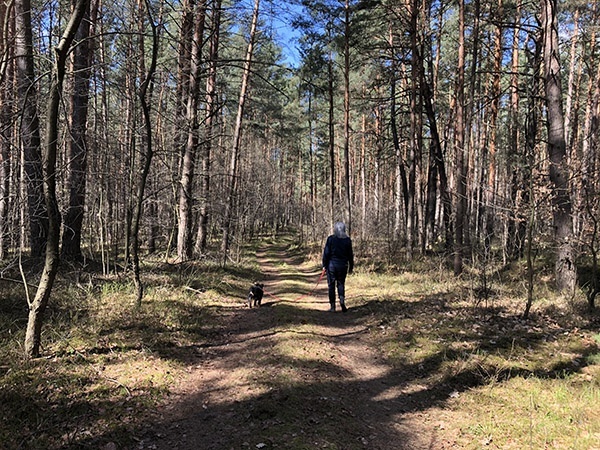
{"x":12,"y":280}
{"x":197,"y":291}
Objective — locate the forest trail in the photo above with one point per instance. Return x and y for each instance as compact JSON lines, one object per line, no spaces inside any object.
{"x":293,"y":375}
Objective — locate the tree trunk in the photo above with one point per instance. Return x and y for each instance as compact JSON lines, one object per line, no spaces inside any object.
{"x":438,"y":159}
{"x":6,"y":134}
{"x":331,"y":138}
{"x":415,"y":130}
{"x":459,"y":148}
{"x":77,"y":145}
{"x":184,"y":241}
{"x":311,"y":159}
{"x":237,"y":136}
{"x":490,"y":199}
{"x":589,"y":182}
{"x":189,"y":112}
{"x":436,"y":166}
{"x":401,"y":182}
{"x":513,"y":228}
{"x":363,"y":175}
{"x":585,"y":186}
{"x":565,"y":269}
{"x":30,"y":128}
{"x":471,"y":137}
{"x":377,"y":163}
{"x":135,"y":69}
{"x":147,"y":159}
{"x":5,"y":180}
{"x":40,"y":302}
{"x":209,"y":126}
{"x":571,"y":81}
{"x":347,"y":193}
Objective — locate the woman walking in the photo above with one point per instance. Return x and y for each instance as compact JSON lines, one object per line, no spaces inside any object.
{"x":338,"y":261}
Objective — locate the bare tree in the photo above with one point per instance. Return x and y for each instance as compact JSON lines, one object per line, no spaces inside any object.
{"x":209,"y":126}
{"x":30,"y":127}
{"x":459,"y":144}
{"x":237,"y":136}
{"x":147,"y":156}
{"x":42,"y":296}
{"x":77,"y":145}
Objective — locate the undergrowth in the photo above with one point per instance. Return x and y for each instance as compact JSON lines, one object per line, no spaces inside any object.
{"x":492,"y":379}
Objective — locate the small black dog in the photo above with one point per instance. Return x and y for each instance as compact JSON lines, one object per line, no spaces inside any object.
{"x":256,"y":294}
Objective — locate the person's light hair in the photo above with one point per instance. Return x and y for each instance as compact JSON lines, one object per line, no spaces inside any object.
{"x":339,"y":229}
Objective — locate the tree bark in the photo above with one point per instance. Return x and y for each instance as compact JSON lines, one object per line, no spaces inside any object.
{"x":459,"y":148}
{"x":184,"y":236}
{"x":77,"y":145}
{"x":6,"y":66}
{"x":209,"y":127}
{"x":565,"y":268}
{"x":347,"y":193}
{"x":30,"y":128}
{"x":40,"y":302}
{"x":237,"y":136}
{"x":147,"y":159}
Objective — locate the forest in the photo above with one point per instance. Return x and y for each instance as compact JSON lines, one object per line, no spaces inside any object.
{"x":148,"y":139}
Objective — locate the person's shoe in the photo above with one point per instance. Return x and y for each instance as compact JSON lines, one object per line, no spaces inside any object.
{"x":344,"y":309}
{"x":343,"y":304}
{"x":331,"y":310}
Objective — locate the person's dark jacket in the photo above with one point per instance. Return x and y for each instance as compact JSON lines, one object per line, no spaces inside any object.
{"x":338,"y":251}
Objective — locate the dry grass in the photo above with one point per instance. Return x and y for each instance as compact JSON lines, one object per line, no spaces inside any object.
{"x":502,"y":381}
{"x":489,"y":378}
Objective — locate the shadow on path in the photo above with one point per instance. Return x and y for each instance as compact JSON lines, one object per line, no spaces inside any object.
{"x":294,"y":376}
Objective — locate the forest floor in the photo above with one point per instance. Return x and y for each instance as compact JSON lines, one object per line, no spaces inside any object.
{"x":293,"y":375}
{"x":421,"y":360}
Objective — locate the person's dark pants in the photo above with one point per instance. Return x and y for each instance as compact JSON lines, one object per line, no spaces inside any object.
{"x":336,"y":277}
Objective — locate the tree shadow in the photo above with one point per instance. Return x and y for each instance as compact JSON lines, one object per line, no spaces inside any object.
{"x":322,"y":404}
{"x":322,"y":411}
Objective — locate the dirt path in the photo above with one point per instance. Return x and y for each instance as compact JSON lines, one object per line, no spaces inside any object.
{"x":292,"y":375}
